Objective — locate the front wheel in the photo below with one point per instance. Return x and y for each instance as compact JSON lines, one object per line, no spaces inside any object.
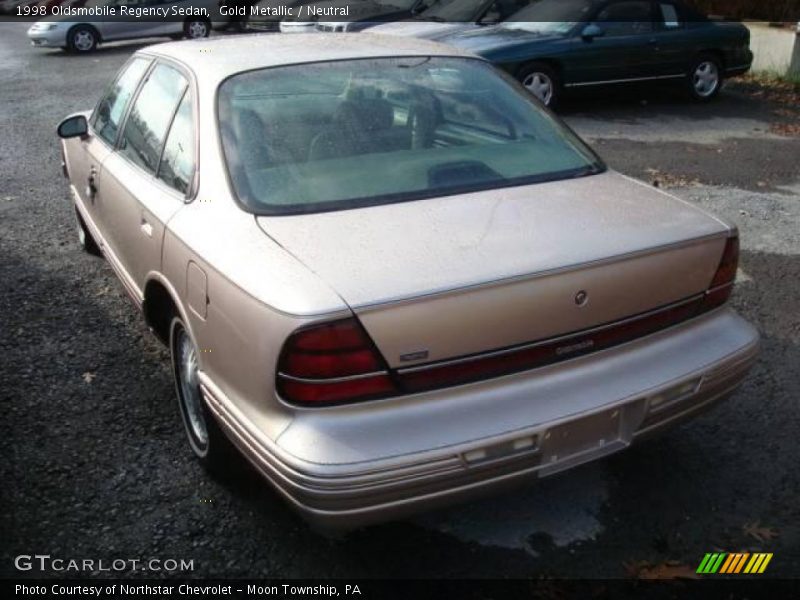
{"x":196,"y":29}
{"x":541,"y":81}
{"x":82,"y":39}
{"x":704,"y":78}
{"x":206,"y":439}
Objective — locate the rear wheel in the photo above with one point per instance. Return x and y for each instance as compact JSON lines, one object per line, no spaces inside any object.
{"x":541,"y":81}
{"x":82,"y":39}
{"x":196,"y":28}
{"x":704,"y":79}
{"x":206,"y":439}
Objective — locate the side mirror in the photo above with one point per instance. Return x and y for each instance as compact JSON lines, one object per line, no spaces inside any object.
{"x":73,"y":127}
{"x":592,"y":31}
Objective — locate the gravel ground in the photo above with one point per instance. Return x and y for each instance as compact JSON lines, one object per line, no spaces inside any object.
{"x":95,"y":464}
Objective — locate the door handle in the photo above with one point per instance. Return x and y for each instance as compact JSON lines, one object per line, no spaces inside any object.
{"x":147,"y":229}
{"x":91,"y":187}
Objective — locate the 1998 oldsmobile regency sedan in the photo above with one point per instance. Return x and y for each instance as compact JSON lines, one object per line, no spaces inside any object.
{"x":388,"y":276}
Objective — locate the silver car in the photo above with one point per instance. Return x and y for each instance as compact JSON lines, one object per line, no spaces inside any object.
{"x":79,"y":36}
{"x":388,"y":276}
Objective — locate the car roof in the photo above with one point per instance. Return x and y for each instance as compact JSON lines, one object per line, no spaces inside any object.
{"x":217,"y":58}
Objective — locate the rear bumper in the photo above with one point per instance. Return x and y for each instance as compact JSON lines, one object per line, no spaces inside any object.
{"x":349,"y":467}
{"x":740,"y":66}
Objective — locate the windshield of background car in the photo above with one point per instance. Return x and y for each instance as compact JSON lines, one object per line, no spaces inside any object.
{"x":557,"y":16}
{"x":453,"y":10}
{"x":398,"y":4}
{"x":344,"y":134}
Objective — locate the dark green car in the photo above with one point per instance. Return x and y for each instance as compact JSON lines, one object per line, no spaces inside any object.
{"x":553,"y":46}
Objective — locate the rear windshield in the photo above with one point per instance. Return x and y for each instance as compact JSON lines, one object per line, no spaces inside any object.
{"x":346,"y":134}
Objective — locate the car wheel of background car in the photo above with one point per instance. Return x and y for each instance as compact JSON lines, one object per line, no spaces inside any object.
{"x":85,"y":238}
{"x":542,"y":81}
{"x":705,"y":77}
{"x":196,"y":28}
{"x":205,"y":437}
{"x":82,"y":38}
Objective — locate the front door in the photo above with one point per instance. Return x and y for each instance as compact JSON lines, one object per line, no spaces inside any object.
{"x":625,"y":50}
{"x":87,"y":159}
{"x":130,"y":26}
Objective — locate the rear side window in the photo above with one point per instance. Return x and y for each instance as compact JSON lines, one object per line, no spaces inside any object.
{"x":670,"y":15}
{"x":177,"y":163}
{"x":152,"y":112}
{"x":109,"y":112}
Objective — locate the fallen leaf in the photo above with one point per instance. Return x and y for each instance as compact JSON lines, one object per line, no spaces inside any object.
{"x":786,"y":129}
{"x":762,"y":534}
{"x":89,"y":376}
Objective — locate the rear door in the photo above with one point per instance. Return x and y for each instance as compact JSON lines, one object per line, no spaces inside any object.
{"x":151,"y":173}
{"x":674,"y":47}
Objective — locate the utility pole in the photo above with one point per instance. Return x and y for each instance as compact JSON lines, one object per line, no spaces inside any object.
{"x":794,"y":65}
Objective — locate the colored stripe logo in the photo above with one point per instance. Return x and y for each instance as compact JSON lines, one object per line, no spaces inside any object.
{"x":734,"y":563}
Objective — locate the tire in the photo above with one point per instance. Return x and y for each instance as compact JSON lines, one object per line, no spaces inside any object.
{"x":194,"y":29}
{"x":206,"y":440}
{"x":82,"y":39}
{"x":704,"y":79}
{"x":542,"y":81}
{"x":85,"y":238}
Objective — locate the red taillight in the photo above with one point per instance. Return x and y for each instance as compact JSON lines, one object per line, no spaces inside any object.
{"x":726,"y":271}
{"x":722,"y":284}
{"x":332,"y":362}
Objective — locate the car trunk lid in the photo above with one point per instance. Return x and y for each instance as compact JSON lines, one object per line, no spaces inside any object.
{"x":447,"y":277}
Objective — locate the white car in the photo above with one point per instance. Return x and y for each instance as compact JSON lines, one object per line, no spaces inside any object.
{"x":74,"y":35}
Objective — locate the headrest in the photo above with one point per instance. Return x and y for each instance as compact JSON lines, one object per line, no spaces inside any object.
{"x":374,"y":114}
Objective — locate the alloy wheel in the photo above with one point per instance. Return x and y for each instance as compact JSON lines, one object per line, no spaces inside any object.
{"x":540,"y":85}
{"x":705,"y":79}
{"x":191,"y":398}
{"x":83,"y":40}
{"x":197,"y":29}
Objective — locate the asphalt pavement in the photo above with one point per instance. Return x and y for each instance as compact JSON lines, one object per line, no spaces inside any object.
{"x":94,"y":463}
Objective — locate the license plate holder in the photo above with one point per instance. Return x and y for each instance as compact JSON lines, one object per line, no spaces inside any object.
{"x":582,"y":440}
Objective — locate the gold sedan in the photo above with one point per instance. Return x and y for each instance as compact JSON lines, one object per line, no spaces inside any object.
{"x":388,"y":277}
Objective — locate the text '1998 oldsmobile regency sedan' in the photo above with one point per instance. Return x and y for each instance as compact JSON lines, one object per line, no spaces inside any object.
{"x":388,"y":276}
